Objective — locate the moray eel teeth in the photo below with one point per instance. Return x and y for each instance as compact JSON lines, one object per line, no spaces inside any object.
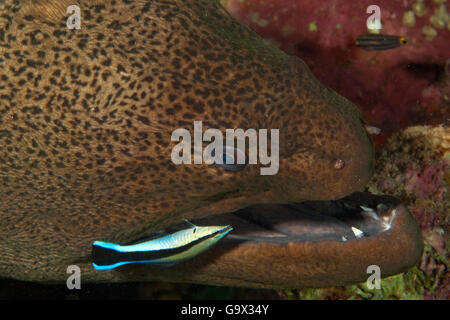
{"x":358,"y":233}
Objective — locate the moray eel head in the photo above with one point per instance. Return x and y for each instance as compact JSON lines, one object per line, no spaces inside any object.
{"x":86,"y":120}
{"x":324,"y":150}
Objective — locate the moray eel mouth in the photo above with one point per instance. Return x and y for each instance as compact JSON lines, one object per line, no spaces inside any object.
{"x":355,"y":217}
{"x":308,"y":244}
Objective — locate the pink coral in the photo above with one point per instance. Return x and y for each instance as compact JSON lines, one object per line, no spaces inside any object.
{"x":423,"y":216}
{"x":426,"y":180}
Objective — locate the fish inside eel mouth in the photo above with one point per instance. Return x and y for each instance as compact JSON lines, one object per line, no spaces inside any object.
{"x":355,"y":217}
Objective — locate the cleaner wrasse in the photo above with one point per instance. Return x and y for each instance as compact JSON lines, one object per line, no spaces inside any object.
{"x":164,"y":250}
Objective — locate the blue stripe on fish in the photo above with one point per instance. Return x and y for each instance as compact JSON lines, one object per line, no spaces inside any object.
{"x":166,"y":250}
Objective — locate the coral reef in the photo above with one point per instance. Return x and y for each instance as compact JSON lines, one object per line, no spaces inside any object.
{"x":415,"y":166}
{"x":394,"y":88}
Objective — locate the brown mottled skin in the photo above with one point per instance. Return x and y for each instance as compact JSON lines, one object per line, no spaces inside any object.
{"x":86,"y":118}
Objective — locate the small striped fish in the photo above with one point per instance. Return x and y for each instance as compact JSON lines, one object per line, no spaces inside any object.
{"x":372,"y":41}
{"x":165,"y":250}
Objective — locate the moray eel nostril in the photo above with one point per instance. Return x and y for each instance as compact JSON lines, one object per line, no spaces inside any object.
{"x":86,"y":118}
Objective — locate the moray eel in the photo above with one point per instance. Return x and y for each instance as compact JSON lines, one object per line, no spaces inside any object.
{"x":86,"y":117}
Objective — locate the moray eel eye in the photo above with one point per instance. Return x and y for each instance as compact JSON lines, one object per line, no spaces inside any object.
{"x":231,"y":159}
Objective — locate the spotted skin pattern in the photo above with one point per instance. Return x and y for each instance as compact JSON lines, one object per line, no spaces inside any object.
{"x":86,"y":118}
